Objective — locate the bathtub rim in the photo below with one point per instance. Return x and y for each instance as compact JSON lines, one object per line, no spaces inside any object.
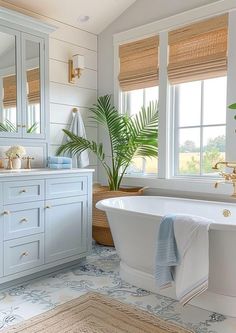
{"x":102,"y":205}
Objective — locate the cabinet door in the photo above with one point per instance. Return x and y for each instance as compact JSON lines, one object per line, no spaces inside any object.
{"x":10,"y":83}
{"x":33,"y":86}
{"x":65,"y":228}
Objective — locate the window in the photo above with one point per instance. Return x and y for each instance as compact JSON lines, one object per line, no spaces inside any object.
{"x":133,"y":101}
{"x":195,"y":60}
{"x":200,"y":126}
{"x":139,"y":80}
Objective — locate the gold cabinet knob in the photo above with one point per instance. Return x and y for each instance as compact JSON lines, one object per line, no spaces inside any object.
{"x":48,"y":206}
{"x":226,"y":213}
{"x":6,"y":212}
{"x":24,"y":219}
{"x":19,"y":125}
{"x":23,"y":190}
{"x":25,"y":254}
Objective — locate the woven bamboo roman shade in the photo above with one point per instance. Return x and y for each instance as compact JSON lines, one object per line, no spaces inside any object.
{"x":198,"y":51}
{"x":33,"y":80}
{"x":139,"y":64}
{"x":9,"y":91}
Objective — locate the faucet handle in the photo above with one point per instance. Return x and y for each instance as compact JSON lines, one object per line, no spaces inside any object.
{"x":28,"y":161}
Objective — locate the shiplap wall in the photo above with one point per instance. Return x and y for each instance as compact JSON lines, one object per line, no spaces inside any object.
{"x":63,"y":43}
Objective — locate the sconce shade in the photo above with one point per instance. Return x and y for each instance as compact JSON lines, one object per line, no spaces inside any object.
{"x":78,"y":61}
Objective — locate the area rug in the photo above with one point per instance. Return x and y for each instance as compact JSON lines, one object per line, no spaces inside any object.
{"x":95,"y":313}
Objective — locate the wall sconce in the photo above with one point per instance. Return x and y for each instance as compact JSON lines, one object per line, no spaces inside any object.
{"x":75,"y":67}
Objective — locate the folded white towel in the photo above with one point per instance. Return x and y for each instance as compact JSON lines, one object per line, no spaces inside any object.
{"x":192,"y":239}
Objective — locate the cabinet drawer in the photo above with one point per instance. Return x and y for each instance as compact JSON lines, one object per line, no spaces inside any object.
{"x":24,"y":253}
{"x":25,"y":191}
{"x":23,"y":219}
{"x":66,"y":187}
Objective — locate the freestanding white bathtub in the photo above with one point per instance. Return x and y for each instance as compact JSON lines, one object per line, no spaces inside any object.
{"x":134,"y":223}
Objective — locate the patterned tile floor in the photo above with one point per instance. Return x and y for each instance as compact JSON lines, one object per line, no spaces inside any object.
{"x":100,"y":273}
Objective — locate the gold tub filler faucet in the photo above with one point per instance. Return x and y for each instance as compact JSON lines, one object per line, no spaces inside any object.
{"x":229,"y":178}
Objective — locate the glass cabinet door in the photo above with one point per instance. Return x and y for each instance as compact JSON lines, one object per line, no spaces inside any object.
{"x":33,"y":120}
{"x":10,"y":85}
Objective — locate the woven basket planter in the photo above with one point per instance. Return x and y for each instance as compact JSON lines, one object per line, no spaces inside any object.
{"x":101,"y":230}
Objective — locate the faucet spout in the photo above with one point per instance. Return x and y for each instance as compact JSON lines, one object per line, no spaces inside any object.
{"x":228,"y":177}
{"x":227,"y":164}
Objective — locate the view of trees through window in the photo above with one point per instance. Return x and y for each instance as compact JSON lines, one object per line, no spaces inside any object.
{"x":213,"y":152}
{"x":200,"y":125}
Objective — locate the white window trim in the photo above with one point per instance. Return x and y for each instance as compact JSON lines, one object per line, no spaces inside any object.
{"x":166,"y":130}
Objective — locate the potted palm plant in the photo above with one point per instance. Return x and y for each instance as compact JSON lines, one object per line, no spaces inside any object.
{"x":129,"y":137}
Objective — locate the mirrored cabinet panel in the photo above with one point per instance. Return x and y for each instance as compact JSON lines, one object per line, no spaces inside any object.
{"x":10,"y":115}
{"x":21,"y":85}
{"x":33,"y":83}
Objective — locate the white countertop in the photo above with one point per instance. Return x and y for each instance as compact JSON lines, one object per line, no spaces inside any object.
{"x":40,"y":171}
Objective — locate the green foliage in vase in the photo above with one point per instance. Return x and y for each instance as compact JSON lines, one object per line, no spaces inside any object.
{"x":129,"y":137}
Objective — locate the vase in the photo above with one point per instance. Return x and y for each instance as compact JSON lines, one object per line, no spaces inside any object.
{"x":16,"y":163}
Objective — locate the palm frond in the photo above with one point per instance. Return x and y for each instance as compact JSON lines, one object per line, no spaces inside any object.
{"x":77,"y":145}
{"x":129,"y":137}
{"x":33,"y":128}
{"x":108,"y":116}
{"x":8,"y":126}
{"x":142,"y":134}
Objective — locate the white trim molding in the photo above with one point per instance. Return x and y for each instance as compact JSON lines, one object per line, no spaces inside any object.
{"x":189,"y":16}
{"x":25,"y":21}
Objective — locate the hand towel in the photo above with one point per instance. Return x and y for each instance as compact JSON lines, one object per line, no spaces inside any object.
{"x":167,"y":256}
{"x":59,"y":160}
{"x":59,"y":166}
{"x":77,"y":127}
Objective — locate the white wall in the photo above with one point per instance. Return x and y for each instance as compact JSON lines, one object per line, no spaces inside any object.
{"x":64,"y":42}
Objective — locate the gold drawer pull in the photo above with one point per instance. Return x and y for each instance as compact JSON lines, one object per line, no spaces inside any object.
{"x":23,"y":190}
{"x":24,"y":219}
{"x":6,"y":212}
{"x":23,"y":126}
{"x":25,"y":254}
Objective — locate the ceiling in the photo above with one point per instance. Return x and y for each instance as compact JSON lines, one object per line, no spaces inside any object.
{"x":101,"y":12}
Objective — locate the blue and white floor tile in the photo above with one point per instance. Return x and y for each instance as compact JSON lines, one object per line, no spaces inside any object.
{"x":100,"y":273}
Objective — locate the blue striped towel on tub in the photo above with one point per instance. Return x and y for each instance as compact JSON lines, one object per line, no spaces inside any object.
{"x":167,"y":256}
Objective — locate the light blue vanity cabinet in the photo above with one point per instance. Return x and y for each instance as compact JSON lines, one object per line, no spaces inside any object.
{"x":1,"y":232}
{"x":45,"y":220}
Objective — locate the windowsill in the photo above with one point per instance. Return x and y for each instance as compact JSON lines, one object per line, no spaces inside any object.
{"x":192,"y":185}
